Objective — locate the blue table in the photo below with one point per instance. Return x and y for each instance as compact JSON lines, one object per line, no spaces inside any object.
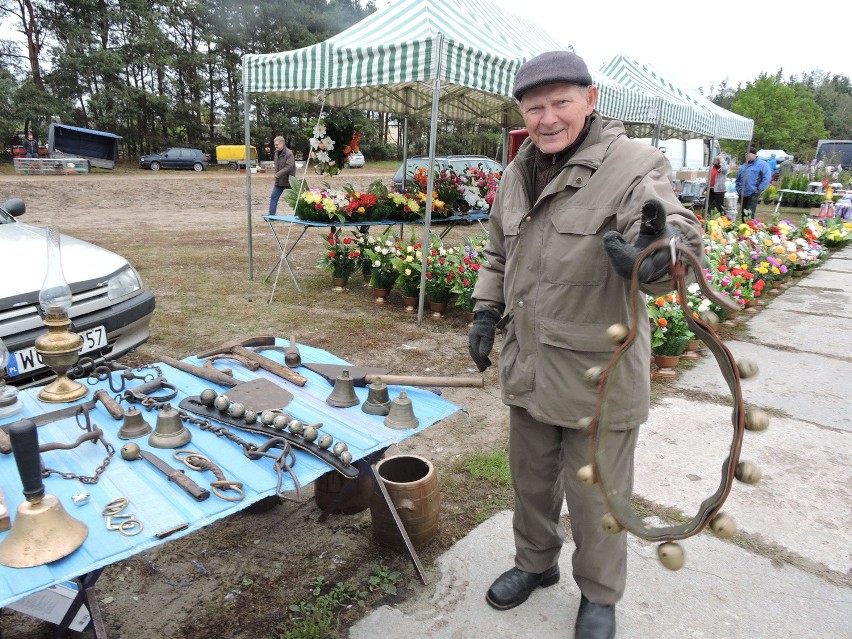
{"x":159,"y":504}
{"x":284,"y":252}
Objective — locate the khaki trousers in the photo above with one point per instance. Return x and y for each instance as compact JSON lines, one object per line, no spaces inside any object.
{"x":544,"y":460}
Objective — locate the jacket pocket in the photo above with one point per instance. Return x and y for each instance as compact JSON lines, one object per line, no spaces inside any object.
{"x":588,"y":338}
{"x":573,"y":253}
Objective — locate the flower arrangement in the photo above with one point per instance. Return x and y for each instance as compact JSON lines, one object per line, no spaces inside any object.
{"x":407,"y":262}
{"x":381,"y":254}
{"x":439,"y":276}
{"x":468,"y":260}
{"x":341,"y":255}
{"x":332,"y":140}
{"x":669,"y":331}
{"x":453,"y":193}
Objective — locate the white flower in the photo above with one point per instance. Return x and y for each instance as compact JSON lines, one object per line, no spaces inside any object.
{"x":322,"y":156}
{"x":328,"y":143}
{"x":314,"y":143}
{"x":319,"y":130}
{"x":385,"y":251}
{"x":377,"y":263}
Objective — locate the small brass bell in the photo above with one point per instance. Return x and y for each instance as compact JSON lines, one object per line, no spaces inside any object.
{"x":378,"y":400}
{"x":169,"y":431}
{"x":343,"y":395}
{"x":134,"y":425}
{"x":401,"y":414}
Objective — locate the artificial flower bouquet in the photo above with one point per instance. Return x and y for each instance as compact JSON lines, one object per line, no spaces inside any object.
{"x":439,"y":276}
{"x":381,"y":253}
{"x":341,"y":256}
{"x":669,"y":331}
{"x":468,"y":260}
{"x":333,"y":138}
{"x":407,"y":262}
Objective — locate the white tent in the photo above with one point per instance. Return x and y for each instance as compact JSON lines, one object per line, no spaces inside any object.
{"x":697,"y":114}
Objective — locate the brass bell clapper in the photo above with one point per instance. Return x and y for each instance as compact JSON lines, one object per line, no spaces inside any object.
{"x":42,"y":531}
{"x":59,"y":348}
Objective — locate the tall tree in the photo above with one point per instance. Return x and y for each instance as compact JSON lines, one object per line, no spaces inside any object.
{"x":786,"y":116}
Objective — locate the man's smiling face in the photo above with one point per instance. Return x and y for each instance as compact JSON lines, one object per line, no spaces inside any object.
{"x":555,"y":114}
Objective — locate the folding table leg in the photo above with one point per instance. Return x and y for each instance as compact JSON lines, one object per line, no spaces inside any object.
{"x":86,"y":596}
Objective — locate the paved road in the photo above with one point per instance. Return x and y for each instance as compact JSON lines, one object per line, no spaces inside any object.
{"x":788,"y":573}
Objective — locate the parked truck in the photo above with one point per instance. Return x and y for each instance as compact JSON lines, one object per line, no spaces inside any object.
{"x":234,"y":156}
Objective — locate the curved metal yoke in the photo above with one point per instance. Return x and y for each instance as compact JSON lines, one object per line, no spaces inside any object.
{"x":619,"y":505}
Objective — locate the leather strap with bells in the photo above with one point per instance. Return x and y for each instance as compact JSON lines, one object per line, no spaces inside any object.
{"x":619,"y":505}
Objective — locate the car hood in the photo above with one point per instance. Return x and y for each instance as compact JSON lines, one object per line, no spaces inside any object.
{"x":84,"y":265}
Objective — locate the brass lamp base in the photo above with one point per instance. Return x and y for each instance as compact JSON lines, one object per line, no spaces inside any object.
{"x":59,"y":349}
{"x":62,"y":390}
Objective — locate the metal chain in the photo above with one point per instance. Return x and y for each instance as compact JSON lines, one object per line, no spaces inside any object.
{"x":282,"y":463}
{"x":85,"y":479}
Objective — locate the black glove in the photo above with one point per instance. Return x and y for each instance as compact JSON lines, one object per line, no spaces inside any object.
{"x":652,"y":228}
{"x":480,"y":340}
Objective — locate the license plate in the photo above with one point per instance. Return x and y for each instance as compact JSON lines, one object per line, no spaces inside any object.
{"x":27,"y":360}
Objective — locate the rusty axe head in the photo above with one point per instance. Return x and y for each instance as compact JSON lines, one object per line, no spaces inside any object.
{"x":265,"y":340}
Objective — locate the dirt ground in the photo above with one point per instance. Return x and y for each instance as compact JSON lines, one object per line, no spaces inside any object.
{"x":236,"y":578}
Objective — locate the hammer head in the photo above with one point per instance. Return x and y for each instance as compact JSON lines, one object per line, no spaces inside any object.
{"x":265,"y":340}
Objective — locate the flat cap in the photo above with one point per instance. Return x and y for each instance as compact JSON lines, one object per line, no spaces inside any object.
{"x":550,"y":68}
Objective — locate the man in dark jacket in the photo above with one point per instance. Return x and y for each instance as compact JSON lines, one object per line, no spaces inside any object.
{"x":30,"y":147}
{"x":574,"y":209}
{"x":285,"y":166}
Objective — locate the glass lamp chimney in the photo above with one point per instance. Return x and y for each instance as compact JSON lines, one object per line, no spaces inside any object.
{"x":55,"y":295}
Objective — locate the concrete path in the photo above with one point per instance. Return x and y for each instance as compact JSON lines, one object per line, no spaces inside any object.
{"x":787,"y":574}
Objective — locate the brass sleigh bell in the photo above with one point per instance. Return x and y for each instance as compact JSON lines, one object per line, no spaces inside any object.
{"x":134,"y":425}
{"x":169,"y":431}
{"x":401,"y":414}
{"x":343,"y":395}
{"x":378,"y":400}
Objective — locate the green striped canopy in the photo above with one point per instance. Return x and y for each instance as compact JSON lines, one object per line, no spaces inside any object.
{"x":683,"y":110}
{"x":387,"y":62}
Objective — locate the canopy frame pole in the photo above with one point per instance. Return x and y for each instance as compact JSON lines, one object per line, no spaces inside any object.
{"x":247,"y":136}
{"x":430,"y":180}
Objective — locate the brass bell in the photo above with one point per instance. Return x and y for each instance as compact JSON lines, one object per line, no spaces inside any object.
{"x":169,"y":431}
{"x":43,"y":531}
{"x":134,"y":425}
{"x":401,"y":414}
{"x":343,"y":395}
{"x":378,"y":400}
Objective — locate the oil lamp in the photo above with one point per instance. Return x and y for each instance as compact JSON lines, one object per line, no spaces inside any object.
{"x":9,"y":404}
{"x":59,"y":348}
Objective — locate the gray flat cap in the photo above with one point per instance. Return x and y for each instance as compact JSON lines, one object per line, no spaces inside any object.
{"x":550,"y":68}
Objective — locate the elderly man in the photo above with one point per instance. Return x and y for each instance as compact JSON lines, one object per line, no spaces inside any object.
{"x":285,"y":166}
{"x":574,"y":209}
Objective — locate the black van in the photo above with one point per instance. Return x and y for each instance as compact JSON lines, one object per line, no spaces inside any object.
{"x":834,"y":152}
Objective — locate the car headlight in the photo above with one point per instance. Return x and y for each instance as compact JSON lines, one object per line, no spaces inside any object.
{"x":123,"y":283}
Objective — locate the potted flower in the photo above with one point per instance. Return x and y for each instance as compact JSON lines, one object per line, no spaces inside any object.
{"x":341,"y":257}
{"x":669,"y":330}
{"x":407,"y":262}
{"x":468,"y":260}
{"x":383,"y":274}
{"x":439,"y":277}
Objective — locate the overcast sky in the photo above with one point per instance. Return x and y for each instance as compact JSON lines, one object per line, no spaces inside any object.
{"x":699,"y":43}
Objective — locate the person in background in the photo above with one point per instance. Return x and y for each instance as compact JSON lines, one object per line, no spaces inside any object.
{"x":752,"y":179}
{"x":30,"y":147}
{"x":284,"y":166}
{"x":773,"y":166}
{"x":718,"y":182}
{"x":574,"y":209}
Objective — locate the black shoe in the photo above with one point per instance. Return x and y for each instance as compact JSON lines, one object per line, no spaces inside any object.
{"x":514,"y":586}
{"x":594,"y":621}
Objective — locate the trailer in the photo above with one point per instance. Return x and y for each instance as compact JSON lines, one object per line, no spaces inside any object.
{"x":98,"y":147}
{"x":234,"y":156}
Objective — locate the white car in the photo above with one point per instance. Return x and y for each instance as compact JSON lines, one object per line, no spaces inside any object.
{"x":356,"y":160}
{"x":110,"y":308}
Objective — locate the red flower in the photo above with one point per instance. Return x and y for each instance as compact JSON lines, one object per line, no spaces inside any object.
{"x":663,"y":322}
{"x":722,"y":268}
{"x":347,"y":240}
